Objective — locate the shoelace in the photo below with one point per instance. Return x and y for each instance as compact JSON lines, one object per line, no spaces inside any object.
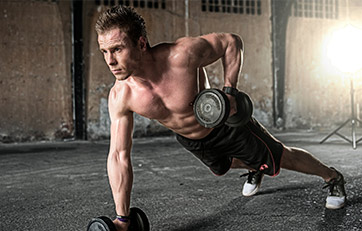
{"x":329,"y":184}
{"x":250,"y":175}
{"x":245,"y":174}
{"x":332,"y":185}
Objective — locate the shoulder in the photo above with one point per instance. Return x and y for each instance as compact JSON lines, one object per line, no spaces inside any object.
{"x":185,"y":44}
{"x":193,"y":51}
{"x":183,"y":51}
{"x":204,"y":40}
{"x":200,"y":41}
{"x":191,"y":43}
{"x":117,"y":103}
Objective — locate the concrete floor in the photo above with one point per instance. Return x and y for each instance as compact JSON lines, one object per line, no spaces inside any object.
{"x":61,"y":185}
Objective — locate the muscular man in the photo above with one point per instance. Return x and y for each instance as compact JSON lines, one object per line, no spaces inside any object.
{"x":160,"y":83}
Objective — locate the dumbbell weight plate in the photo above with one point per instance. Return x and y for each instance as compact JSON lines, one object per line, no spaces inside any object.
{"x":101,"y":224}
{"x":244,"y":111}
{"x":139,"y":220}
{"x":211,"y":108}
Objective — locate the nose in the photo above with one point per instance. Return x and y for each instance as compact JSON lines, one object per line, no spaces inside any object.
{"x":110,"y":59}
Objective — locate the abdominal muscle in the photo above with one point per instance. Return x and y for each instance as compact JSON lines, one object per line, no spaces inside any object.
{"x":186,"y":126}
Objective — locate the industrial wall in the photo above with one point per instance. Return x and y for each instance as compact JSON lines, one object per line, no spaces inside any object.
{"x":36,"y":91}
{"x":35,"y":59}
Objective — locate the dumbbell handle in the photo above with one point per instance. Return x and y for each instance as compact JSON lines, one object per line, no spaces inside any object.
{"x":230,"y":91}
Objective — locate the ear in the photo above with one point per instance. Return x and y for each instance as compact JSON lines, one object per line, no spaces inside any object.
{"x":142,"y":43}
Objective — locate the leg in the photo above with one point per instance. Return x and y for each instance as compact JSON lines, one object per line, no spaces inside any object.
{"x":302,"y":161}
{"x":236,"y":163}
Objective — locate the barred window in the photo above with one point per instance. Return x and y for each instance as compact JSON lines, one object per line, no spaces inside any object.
{"x":152,"y":4}
{"x":316,"y":9}
{"x":232,"y":6}
{"x":55,"y":1}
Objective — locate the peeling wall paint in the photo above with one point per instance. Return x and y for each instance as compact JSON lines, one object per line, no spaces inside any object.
{"x":35,"y":77}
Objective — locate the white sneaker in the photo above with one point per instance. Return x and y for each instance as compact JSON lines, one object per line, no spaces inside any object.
{"x":333,"y":202}
{"x":252,"y":185}
{"x":337,"y":194}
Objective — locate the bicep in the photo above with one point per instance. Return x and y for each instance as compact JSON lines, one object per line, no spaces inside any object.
{"x":121,"y":120}
{"x":121,"y":133}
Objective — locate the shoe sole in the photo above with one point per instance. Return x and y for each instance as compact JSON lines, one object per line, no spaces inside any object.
{"x":334,"y":207}
{"x":329,"y":206}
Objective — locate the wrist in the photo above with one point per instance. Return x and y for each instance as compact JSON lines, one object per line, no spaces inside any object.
{"x":121,"y":225}
{"x":124,"y":219}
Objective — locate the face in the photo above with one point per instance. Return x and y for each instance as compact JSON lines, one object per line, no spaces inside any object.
{"x":121,"y":55}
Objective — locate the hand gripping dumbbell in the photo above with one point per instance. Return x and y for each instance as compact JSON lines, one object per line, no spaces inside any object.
{"x":212,"y":108}
{"x":138,"y":219}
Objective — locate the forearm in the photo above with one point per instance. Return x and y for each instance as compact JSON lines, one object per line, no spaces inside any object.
{"x":120,"y":175}
{"x":232,"y":60}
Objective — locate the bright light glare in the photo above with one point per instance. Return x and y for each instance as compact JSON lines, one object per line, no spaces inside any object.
{"x":345,"y":49}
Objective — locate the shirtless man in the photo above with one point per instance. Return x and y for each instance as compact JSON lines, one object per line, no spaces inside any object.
{"x":160,"y":83}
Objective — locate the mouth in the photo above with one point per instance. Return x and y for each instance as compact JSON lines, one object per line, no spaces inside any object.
{"x":116,"y":71}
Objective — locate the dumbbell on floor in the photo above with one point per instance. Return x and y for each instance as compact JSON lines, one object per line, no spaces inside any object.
{"x":138,"y":219}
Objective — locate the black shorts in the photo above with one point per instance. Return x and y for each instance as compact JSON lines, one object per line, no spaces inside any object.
{"x":251,"y":143}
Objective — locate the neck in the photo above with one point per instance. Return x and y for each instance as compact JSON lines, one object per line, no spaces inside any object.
{"x":147,"y":70}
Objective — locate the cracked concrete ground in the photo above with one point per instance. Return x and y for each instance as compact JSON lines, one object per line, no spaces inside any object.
{"x":62,"y":185}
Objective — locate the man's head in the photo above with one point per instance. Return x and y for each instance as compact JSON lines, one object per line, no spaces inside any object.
{"x":122,"y":40}
{"x":124,"y":18}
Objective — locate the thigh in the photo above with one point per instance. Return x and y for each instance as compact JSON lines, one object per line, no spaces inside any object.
{"x":212,"y":157}
{"x":267,"y":150}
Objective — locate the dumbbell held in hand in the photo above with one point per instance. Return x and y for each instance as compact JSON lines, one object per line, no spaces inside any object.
{"x":212,"y":108}
{"x":138,"y":222}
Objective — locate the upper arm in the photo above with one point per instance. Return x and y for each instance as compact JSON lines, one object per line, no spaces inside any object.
{"x":121,"y":123}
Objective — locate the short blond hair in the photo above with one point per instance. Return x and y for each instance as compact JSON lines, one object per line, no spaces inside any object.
{"x":126,"y":19}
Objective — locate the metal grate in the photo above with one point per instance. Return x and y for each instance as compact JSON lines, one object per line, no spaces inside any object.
{"x":55,"y":1}
{"x":316,"y":9}
{"x":251,"y":7}
{"x":151,"y":4}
